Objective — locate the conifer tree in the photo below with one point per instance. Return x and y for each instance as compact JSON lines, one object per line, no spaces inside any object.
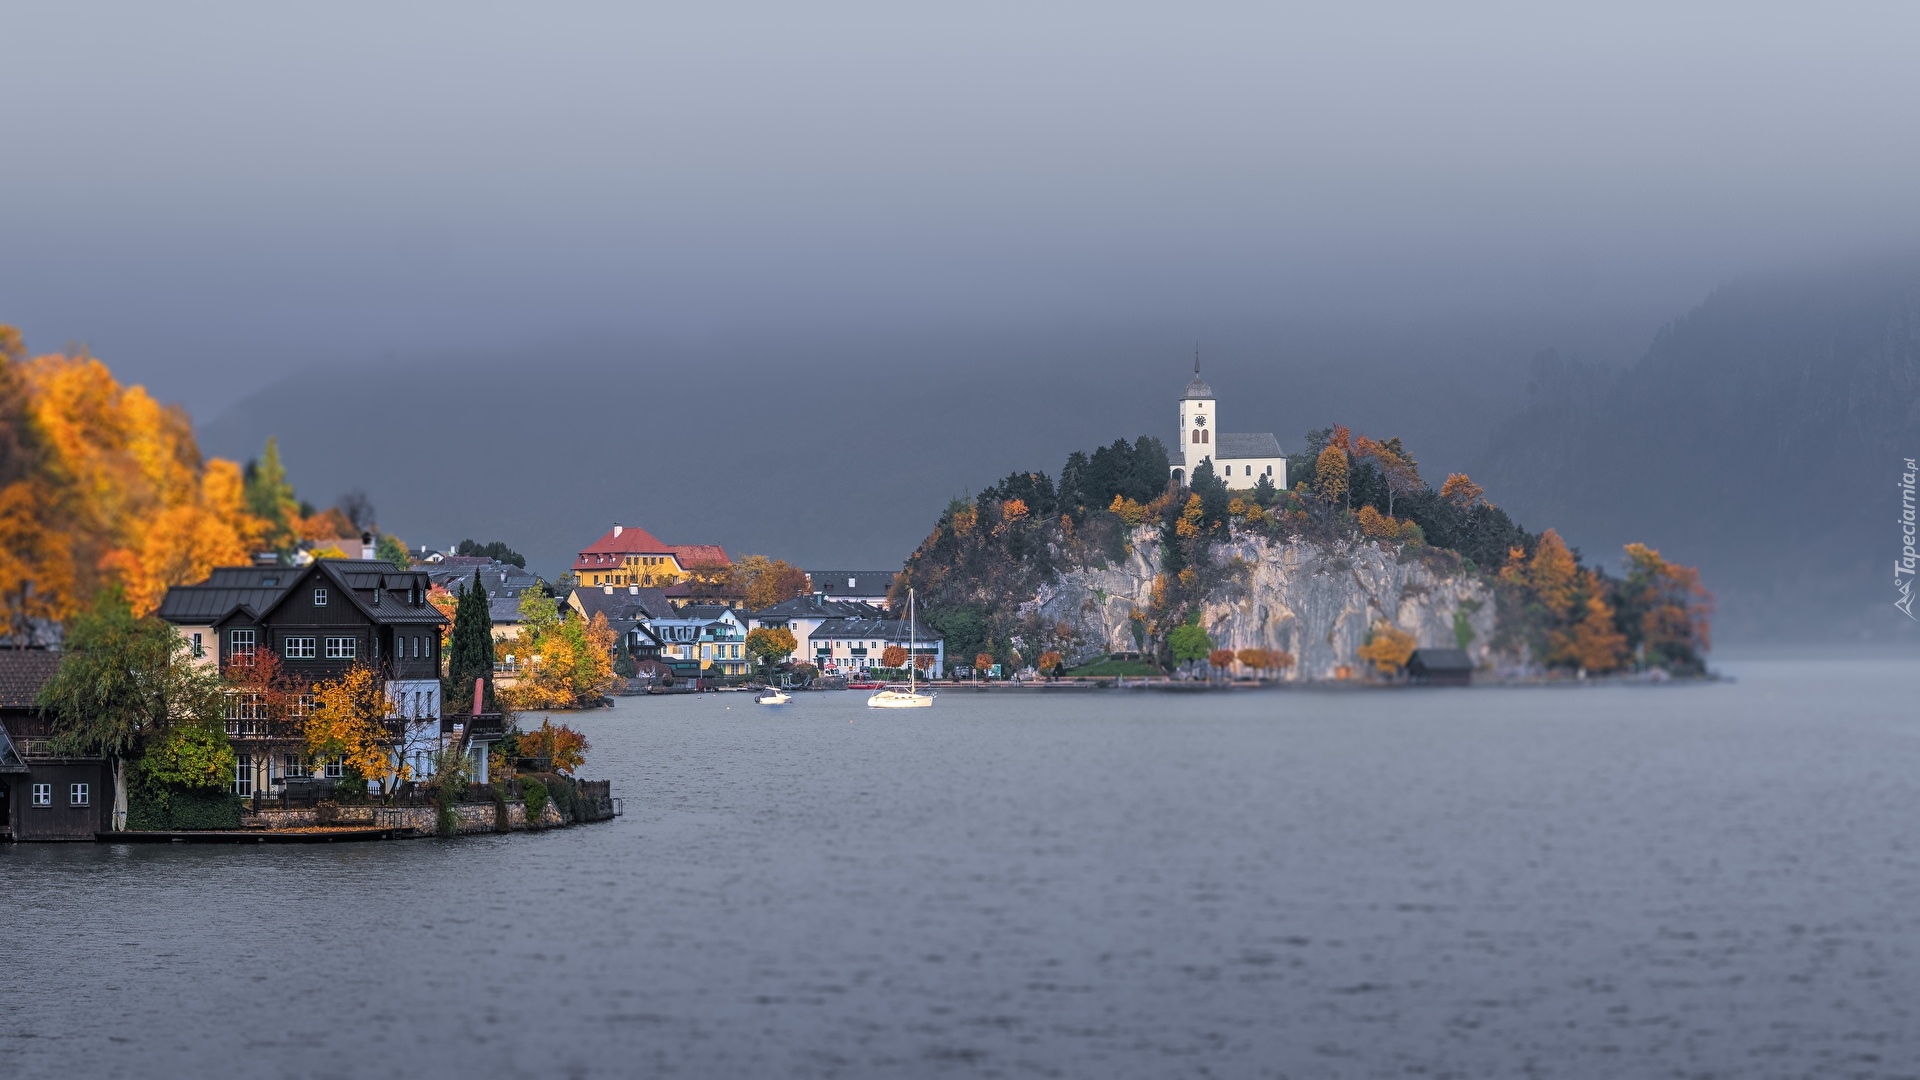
{"x":470,"y":654}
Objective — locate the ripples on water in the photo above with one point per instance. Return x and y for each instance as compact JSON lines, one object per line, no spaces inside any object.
{"x":1690,"y":881}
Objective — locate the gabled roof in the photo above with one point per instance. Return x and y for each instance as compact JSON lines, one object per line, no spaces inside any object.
{"x":624,"y":602}
{"x":700,"y":555}
{"x":883,"y":629}
{"x":815,"y":607}
{"x":1440,"y":660}
{"x":22,"y":673}
{"x":257,"y":590}
{"x":631,"y":540}
{"x":1247,"y":445}
{"x":706,"y":613}
{"x":851,"y":582}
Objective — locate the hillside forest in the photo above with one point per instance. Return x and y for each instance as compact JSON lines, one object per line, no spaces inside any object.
{"x":990,"y":554}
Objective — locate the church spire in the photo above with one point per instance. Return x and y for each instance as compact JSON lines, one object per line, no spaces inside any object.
{"x":1196,"y":359}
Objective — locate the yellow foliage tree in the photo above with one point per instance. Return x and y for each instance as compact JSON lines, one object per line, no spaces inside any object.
{"x":349,"y":720}
{"x":1461,"y":491}
{"x":1388,"y":648}
{"x":116,"y":493}
{"x":1377,"y":525}
{"x":1330,"y":475}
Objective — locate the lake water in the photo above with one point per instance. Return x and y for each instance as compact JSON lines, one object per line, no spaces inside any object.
{"x":1718,"y":880}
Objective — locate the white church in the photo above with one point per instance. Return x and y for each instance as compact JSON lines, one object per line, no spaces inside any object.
{"x":1239,"y":459}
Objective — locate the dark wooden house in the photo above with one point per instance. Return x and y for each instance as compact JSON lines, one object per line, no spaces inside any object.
{"x":43,"y":795}
{"x":1440,"y":667}
{"x":319,"y":619}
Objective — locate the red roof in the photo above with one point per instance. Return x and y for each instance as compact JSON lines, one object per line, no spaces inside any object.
{"x":610,"y":549}
{"x":700,"y":554}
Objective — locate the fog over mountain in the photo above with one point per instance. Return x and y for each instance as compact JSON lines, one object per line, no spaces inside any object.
{"x":786,"y":278}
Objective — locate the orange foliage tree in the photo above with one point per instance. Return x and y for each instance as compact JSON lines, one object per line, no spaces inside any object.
{"x":1667,"y":610}
{"x":102,"y":485}
{"x":1461,"y":491}
{"x":893,"y":656}
{"x":1553,"y":574}
{"x":1388,"y":648}
{"x":561,"y":747}
{"x":350,"y":720}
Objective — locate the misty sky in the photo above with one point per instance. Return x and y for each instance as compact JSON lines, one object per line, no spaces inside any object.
{"x":213,"y":195}
{"x":787,"y":277}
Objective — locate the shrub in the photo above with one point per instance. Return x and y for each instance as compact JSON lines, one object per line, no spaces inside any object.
{"x":536,"y":797}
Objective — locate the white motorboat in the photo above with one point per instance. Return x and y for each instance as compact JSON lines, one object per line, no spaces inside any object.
{"x":893,"y":697}
{"x":772,"y":695}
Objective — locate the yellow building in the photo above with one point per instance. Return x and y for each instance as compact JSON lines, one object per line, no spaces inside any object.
{"x":630,"y":556}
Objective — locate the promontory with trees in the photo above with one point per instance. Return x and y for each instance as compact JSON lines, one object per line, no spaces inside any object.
{"x":1120,"y":568}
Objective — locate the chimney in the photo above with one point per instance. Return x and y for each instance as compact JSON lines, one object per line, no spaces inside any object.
{"x":616,"y":528}
{"x":366,"y":545}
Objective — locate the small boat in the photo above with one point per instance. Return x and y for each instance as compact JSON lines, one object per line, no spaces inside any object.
{"x":772,"y":695}
{"x":910,"y":698}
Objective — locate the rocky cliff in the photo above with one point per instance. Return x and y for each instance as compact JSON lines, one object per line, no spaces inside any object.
{"x":1317,"y":601}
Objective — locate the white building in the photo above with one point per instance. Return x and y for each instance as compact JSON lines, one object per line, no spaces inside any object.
{"x":1240,"y":459}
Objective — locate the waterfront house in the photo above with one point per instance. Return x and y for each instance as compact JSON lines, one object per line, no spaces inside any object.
{"x":710,"y":633}
{"x":802,"y":615}
{"x":854,"y":586}
{"x":319,"y":620}
{"x":43,"y":795}
{"x":854,"y":646}
{"x":626,"y":555}
{"x":1440,"y":667}
{"x":630,"y":611}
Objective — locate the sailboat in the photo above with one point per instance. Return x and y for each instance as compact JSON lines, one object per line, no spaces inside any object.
{"x":909,"y":698}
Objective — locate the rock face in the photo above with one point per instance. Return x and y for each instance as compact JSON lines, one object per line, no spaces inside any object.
{"x":1317,"y":603}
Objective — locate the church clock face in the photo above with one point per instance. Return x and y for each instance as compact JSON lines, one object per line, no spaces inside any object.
{"x":1200,"y":421}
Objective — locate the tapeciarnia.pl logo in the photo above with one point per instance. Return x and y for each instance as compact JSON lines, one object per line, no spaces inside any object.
{"x":1903,"y":566}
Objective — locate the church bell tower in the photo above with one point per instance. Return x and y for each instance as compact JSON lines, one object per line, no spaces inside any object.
{"x":1198,"y":419}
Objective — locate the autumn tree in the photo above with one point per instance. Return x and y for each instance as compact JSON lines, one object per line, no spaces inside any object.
{"x":764,"y":582}
{"x":570,"y":662}
{"x":1051,"y":662}
{"x":559,"y":748}
{"x":770,"y":644}
{"x":394,"y":550}
{"x":1330,"y":476}
{"x":1666,"y":611}
{"x":983,"y":662}
{"x":351,"y":721}
{"x":1221,"y":660}
{"x":124,"y":682}
{"x":1553,"y":575}
{"x":893,"y":656}
{"x":1462,"y":492}
{"x":1595,"y":642}
{"x":1388,"y":648}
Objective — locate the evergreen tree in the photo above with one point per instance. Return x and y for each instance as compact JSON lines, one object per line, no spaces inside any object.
{"x":270,"y":498}
{"x":470,"y":653}
{"x":1213,"y":494}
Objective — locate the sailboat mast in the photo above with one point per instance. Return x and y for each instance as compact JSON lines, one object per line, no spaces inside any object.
{"x":912,"y":667}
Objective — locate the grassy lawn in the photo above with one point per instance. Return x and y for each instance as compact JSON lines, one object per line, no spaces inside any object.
{"x":1109,"y":668}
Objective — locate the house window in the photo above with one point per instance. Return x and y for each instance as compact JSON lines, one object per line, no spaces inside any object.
{"x":416,"y":647}
{"x":1196,"y":436}
{"x":79,"y":794}
{"x":241,"y":643}
{"x":199,"y":649}
{"x":300,"y":648}
{"x":1269,"y":470}
{"x":319,"y":598}
{"x":292,"y":766}
{"x":43,"y":794}
{"x":342,"y":648}
{"x":243,"y":774}
{"x":336,"y":768}
{"x":376,"y":595}
{"x":300,"y":706}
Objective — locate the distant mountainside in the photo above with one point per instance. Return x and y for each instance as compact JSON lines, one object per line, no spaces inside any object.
{"x":1760,"y":437}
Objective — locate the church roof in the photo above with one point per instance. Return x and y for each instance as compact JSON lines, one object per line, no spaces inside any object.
{"x":1198,"y":389}
{"x":1247,"y":445}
